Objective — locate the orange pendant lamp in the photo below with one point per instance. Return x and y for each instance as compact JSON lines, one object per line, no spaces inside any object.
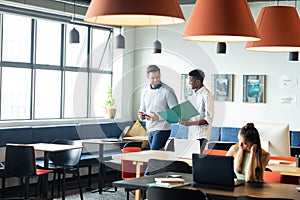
{"x":279,"y":28}
{"x":134,"y":12}
{"x":221,"y":21}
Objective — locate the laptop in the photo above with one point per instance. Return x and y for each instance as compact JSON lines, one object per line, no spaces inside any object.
{"x":214,"y":172}
{"x":126,"y":129}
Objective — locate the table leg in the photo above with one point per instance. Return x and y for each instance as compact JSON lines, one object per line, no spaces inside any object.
{"x":44,"y":178}
{"x":137,"y":174}
{"x":101,"y":178}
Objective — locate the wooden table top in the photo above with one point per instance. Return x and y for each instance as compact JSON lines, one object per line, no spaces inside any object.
{"x":262,"y":190}
{"x":49,"y":147}
{"x":103,"y":141}
{"x":289,"y":169}
{"x":144,"y":156}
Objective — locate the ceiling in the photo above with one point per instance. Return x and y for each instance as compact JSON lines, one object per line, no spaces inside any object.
{"x":87,"y":2}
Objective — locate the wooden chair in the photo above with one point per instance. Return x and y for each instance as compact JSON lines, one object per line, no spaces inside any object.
{"x":20,"y":162}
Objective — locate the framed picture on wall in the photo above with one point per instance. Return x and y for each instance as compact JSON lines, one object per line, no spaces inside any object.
{"x":186,"y":89}
{"x":254,"y":88}
{"x":222,"y":85}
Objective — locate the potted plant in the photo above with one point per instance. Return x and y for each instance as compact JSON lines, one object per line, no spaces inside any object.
{"x":110,"y":104}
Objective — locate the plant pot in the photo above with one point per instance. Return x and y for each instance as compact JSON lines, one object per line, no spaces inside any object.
{"x":110,"y":113}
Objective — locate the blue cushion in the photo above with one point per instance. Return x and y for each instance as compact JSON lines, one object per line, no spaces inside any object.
{"x":229,"y":134}
{"x":179,"y":131}
{"x":21,"y":135}
{"x":295,"y":138}
{"x":50,"y":133}
{"x":215,"y":134}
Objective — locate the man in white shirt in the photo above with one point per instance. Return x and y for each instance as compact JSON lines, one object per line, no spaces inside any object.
{"x":202,"y":100}
{"x":156,"y":97}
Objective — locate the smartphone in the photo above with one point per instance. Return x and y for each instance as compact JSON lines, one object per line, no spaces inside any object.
{"x":174,"y":176}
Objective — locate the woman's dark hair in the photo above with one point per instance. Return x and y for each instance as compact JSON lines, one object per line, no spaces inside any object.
{"x":251,"y":134}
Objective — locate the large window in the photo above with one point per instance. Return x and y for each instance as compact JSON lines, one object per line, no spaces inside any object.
{"x":15,"y":93}
{"x":16,"y":38}
{"x":44,"y":77}
{"x":47,"y":94}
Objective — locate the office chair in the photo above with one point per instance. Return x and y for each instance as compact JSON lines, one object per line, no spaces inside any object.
{"x":156,"y":166}
{"x":128,"y":168}
{"x":215,"y":152}
{"x":20,"y":162}
{"x":272,"y":177}
{"x":161,"y":193}
{"x":66,"y":162}
{"x":244,"y":197}
{"x":133,"y":144}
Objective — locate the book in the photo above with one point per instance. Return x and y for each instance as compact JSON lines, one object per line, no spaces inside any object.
{"x":182,"y":111}
{"x":169,"y":180}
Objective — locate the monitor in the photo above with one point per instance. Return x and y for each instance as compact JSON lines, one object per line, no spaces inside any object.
{"x":275,"y":138}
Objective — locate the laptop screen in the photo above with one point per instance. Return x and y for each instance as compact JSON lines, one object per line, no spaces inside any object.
{"x":213,"y":170}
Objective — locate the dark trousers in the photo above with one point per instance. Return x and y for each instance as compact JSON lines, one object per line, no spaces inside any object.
{"x":157,"y":139}
{"x":203,"y":142}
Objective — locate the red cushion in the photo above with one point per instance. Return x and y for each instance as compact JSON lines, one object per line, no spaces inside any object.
{"x":43,"y":171}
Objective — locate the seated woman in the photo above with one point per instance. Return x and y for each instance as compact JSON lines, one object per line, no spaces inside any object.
{"x":250,"y":160}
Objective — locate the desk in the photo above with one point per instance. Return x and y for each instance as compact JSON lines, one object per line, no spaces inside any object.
{"x":139,"y":158}
{"x":265,"y":190}
{"x":133,"y":138}
{"x":101,"y":143}
{"x":145,"y":156}
{"x":285,"y":169}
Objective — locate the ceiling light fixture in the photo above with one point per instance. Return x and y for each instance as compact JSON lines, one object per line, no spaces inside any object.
{"x":120,"y":41}
{"x":134,"y":12}
{"x":279,"y":28}
{"x":221,"y":21}
{"x":156,"y":43}
{"x":293,"y":56}
{"x":221,"y":48}
{"x":74,"y":34}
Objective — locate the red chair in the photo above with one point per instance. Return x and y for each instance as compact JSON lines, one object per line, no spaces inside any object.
{"x":215,"y":152}
{"x":128,"y":168}
{"x":272,"y":177}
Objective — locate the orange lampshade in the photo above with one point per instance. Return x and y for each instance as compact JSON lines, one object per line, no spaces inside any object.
{"x":134,"y":12}
{"x":279,"y":28}
{"x":221,"y":21}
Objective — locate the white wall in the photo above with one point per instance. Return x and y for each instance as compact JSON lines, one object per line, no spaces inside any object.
{"x":180,"y":56}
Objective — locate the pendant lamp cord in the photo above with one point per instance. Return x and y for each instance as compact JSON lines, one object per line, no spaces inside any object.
{"x":296,"y":4}
{"x":73,"y":18}
{"x":156,"y":32}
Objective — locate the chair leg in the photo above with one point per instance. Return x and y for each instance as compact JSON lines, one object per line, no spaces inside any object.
{"x":79,"y":182}
{"x":63,"y":185}
{"x":53,"y":185}
{"x":89,"y":176}
{"x":3,"y":187}
{"x":26,"y":188}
